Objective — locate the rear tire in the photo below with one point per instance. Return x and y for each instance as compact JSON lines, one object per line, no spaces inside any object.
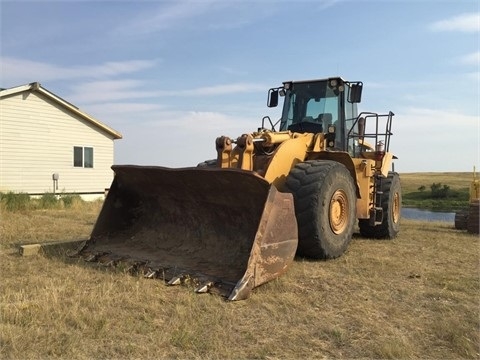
{"x":461,"y":219}
{"x":473,"y":217}
{"x":325,"y":203}
{"x":391,"y":205}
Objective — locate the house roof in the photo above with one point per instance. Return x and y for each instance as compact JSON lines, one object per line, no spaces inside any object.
{"x":37,"y":87}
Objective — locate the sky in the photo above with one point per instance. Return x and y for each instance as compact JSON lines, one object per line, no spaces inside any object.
{"x":172,"y":76}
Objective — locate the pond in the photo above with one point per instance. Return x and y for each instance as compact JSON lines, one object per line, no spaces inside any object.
{"x":427,"y":215}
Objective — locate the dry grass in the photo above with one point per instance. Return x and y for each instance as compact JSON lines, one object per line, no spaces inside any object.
{"x":414,"y":297}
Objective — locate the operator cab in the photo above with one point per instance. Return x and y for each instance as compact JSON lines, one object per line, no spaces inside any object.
{"x":314,"y":106}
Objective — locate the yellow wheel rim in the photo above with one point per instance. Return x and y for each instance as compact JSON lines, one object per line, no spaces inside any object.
{"x":396,"y":208}
{"x":338,"y":212}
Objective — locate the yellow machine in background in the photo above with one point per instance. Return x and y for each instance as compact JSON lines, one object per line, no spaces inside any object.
{"x":474,"y":188}
{"x":468,"y":219}
{"x":235,"y":222}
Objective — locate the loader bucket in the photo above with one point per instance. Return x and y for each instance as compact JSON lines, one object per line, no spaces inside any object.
{"x":220,"y":230}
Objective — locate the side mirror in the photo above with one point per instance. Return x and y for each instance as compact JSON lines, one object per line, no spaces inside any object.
{"x":272,"y":100}
{"x":355,"y":94}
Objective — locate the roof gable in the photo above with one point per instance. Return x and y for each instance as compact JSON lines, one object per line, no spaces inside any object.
{"x":36,"y":87}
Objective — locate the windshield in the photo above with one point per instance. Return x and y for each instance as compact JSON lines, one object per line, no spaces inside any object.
{"x":313,"y":102}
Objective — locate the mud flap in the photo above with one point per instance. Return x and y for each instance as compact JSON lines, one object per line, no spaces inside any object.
{"x":221,"y":230}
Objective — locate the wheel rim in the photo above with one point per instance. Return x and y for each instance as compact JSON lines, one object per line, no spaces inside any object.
{"x":396,"y":208}
{"x":338,"y":212}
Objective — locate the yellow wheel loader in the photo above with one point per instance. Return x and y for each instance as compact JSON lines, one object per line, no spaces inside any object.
{"x":235,"y":222}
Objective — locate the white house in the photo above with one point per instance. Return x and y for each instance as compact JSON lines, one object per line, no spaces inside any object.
{"x":49,"y":145}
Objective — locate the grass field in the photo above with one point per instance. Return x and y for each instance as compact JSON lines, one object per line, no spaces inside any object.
{"x":456,"y":180}
{"x":417,"y":296}
{"x":458,"y":193}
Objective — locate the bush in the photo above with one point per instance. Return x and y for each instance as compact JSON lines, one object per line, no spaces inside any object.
{"x":15,"y":201}
{"x":70,"y":200}
{"x":438,"y":191}
{"x":48,"y":201}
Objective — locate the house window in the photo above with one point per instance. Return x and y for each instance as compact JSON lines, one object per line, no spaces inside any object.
{"x":83,"y":156}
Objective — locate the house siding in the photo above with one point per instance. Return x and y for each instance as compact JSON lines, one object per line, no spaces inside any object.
{"x":37,"y":137}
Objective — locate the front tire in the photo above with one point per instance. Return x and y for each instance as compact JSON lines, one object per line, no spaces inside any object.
{"x":392,"y":205}
{"x":325,"y":203}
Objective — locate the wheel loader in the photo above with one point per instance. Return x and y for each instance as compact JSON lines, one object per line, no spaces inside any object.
{"x":294,"y":187}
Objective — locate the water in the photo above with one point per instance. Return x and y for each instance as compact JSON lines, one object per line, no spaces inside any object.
{"x":427,"y":215}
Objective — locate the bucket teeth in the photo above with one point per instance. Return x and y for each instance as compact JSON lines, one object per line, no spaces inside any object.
{"x":106,"y":261}
{"x":90,"y":257}
{"x":150,"y":274}
{"x":203,"y":288}
{"x":94,"y":256}
{"x":75,"y":252}
{"x":131,"y":266}
{"x":176,"y":280}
